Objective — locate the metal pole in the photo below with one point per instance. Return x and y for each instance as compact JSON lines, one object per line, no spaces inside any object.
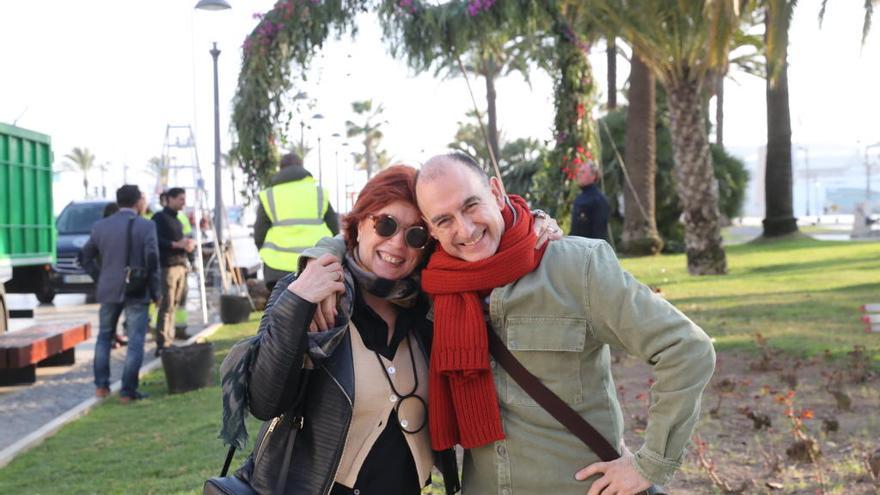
{"x":336,"y":167}
{"x":218,"y":183}
{"x":320,"y":169}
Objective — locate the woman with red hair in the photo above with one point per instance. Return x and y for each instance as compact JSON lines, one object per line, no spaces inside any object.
{"x":354,"y":395}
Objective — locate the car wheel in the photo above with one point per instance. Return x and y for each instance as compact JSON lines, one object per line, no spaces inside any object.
{"x":45,"y":295}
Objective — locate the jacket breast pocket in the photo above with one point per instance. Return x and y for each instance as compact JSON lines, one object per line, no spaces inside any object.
{"x":550,"y":348}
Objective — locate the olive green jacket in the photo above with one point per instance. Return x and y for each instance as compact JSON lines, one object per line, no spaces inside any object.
{"x":559,"y":321}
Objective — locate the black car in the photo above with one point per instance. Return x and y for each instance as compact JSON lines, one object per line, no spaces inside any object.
{"x":74,"y":226}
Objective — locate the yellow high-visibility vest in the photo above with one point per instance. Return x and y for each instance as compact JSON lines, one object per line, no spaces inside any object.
{"x":184,"y":221}
{"x":296,"y":210}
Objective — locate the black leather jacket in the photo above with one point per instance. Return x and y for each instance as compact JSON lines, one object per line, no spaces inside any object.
{"x":275,"y":378}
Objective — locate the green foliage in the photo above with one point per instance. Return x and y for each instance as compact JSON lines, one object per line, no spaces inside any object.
{"x":576,"y":140}
{"x":288,"y":36}
{"x":157,"y":166}
{"x":678,"y":41}
{"x":280,"y":47}
{"x":729,"y":171}
{"x":732,"y":179}
{"x":425,"y":33}
{"x":81,"y":160}
{"x":518,"y":160}
{"x":369,"y":129}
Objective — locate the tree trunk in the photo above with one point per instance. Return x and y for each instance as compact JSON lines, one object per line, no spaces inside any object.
{"x":491,"y":95}
{"x":611,"y":57}
{"x":778,"y":214}
{"x":695,"y":181}
{"x":85,"y":185}
{"x":368,"y":156}
{"x":640,"y":236}
{"x":719,"y":110}
{"x":234,"y":192}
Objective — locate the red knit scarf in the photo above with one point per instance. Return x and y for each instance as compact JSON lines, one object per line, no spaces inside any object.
{"x":463,"y":407}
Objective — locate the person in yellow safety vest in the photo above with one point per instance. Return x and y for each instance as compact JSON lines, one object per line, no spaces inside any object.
{"x":294,"y":213}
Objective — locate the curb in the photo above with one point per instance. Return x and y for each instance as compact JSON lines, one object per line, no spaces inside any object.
{"x":36,"y":437}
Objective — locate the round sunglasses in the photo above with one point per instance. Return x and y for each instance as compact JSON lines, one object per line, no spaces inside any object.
{"x":415,"y":236}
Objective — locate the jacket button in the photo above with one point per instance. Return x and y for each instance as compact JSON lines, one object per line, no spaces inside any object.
{"x":392,"y":370}
{"x":502,"y":450}
{"x":356,"y":491}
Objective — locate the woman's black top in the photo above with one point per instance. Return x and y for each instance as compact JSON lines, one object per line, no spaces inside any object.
{"x":389,"y":467}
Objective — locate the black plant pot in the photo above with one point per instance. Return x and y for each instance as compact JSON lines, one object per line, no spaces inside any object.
{"x":234,"y":309}
{"x":188,"y":367}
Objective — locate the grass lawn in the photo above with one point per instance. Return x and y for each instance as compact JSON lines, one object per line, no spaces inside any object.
{"x":164,"y":444}
{"x":803,"y":295}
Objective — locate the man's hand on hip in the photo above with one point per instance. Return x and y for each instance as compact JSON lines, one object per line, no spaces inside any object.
{"x":618,"y":477}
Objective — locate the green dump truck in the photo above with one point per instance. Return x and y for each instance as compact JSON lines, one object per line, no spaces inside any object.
{"x":27,"y":221}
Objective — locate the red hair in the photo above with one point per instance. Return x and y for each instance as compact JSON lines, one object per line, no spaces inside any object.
{"x":395,"y":183}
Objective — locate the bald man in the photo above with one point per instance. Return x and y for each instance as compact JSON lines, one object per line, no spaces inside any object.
{"x":558,"y":310}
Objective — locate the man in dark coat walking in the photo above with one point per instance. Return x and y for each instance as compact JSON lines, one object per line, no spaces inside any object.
{"x":589,"y":213}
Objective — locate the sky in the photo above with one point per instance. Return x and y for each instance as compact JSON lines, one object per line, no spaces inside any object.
{"x":110,"y":75}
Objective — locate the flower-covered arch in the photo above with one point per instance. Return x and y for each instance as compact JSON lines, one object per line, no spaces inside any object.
{"x":290,"y":34}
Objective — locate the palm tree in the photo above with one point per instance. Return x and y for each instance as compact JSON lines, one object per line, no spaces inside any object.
{"x":640,"y":235}
{"x":491,"y":57}
{"x":779,"y":211}
{"x":157,"y":166}
{"x":682,"y":43}
{"x":611,"y":62}
{"x":80,"y":160}
{"x":369,"y":130}
{"x":232,"y":163}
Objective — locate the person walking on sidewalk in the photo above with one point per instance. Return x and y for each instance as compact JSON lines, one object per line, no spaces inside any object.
{"x":122,"y":249}
{"x":174,"y":253}
{"x":293,"y":215}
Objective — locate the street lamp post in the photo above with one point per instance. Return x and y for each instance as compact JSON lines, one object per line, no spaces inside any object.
{"x":320,"y":165}
{"x":318,"y":117}
{"x":218,"y":180}
{"x":336,"y":138}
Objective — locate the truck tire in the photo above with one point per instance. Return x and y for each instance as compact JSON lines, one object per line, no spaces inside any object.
{"x":46,"y":294}
{"x":4,"y":311}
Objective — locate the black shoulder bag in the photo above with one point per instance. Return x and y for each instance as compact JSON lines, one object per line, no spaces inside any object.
{"x":557,"y":408}
{"x":135,"y":276}
{"x":275,"y":442}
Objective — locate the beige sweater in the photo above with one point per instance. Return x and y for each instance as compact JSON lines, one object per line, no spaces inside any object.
{"x":373,"y":402}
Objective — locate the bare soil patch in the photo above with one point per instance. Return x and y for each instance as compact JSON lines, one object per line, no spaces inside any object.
{"x":772,"y":423}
